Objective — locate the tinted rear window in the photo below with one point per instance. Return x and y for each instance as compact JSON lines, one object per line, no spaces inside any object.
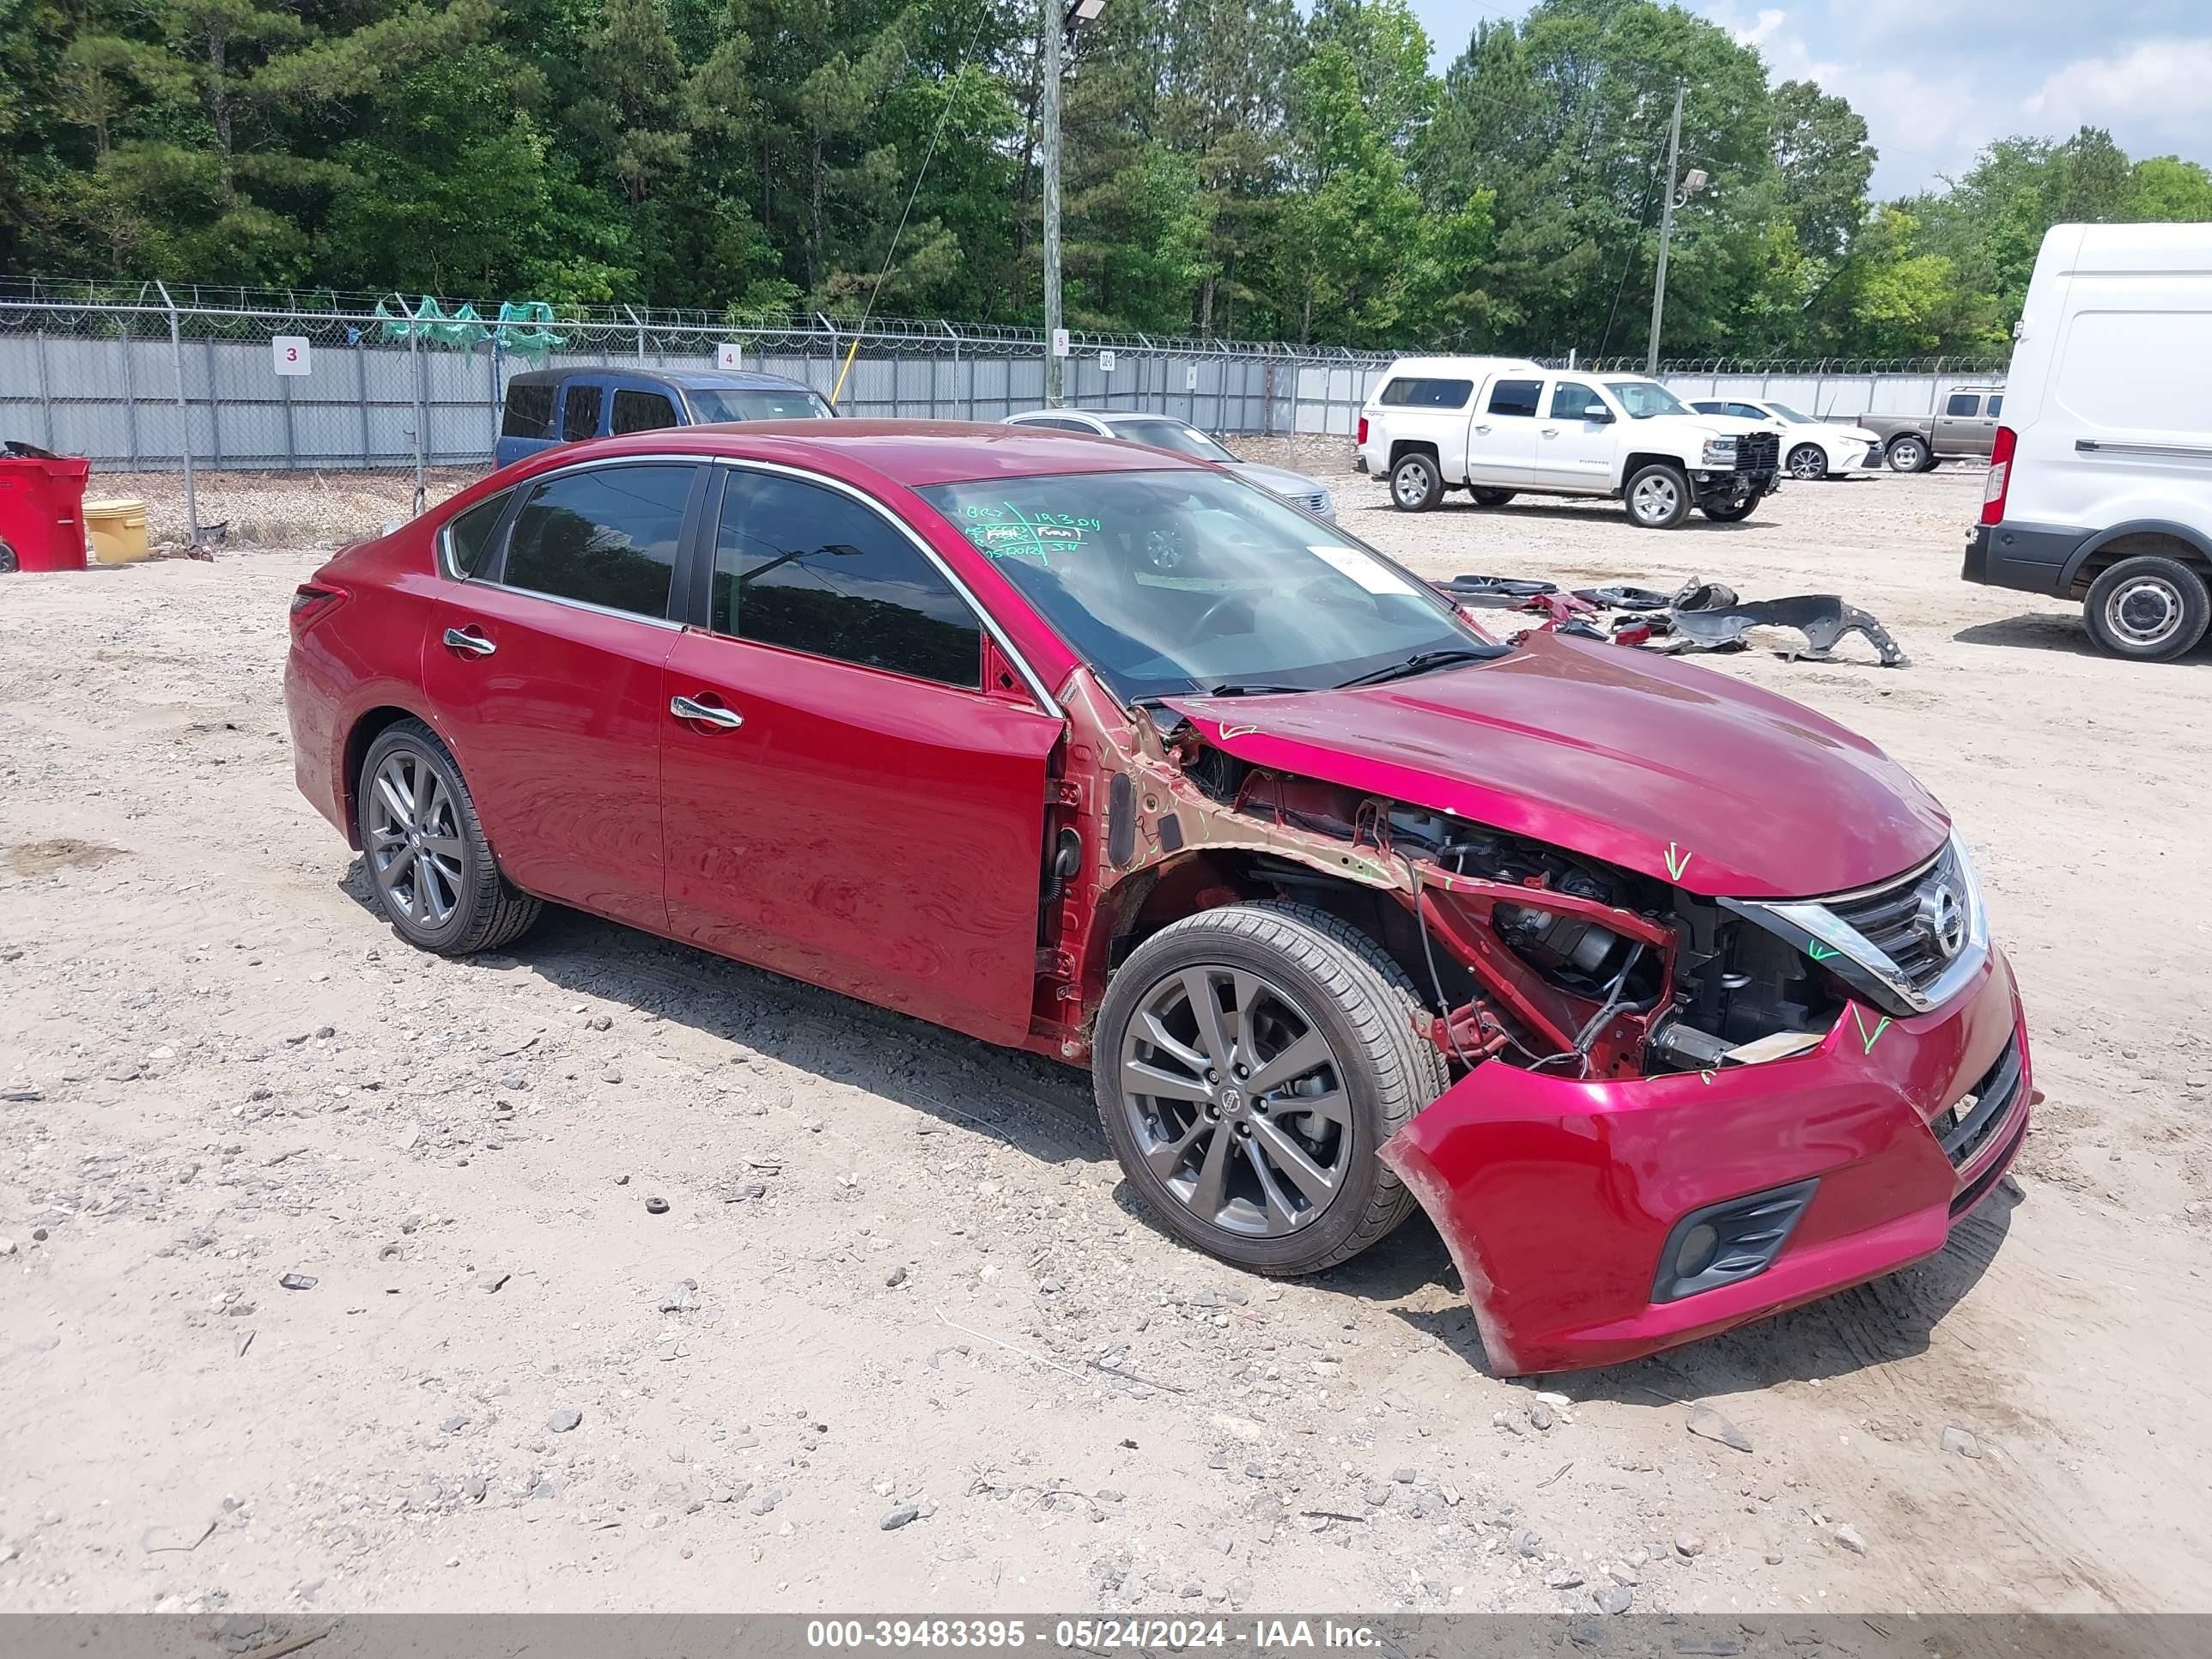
{"x":641,"y":411}
{"x":1427,"y":394}
{"x":529,"y":411}
{"x":580,"y":413}
{"x":1963,"y":403}
{"x":469,"y":536}
{"x":606,"y":537}
{"x":1515,"y":397}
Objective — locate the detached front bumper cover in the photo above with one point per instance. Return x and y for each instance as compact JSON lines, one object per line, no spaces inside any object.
{"x":1559,"y":1198}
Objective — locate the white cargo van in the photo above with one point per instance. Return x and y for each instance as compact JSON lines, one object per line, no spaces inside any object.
{"x":2101,"y":478}
{"x":1500,"y":426}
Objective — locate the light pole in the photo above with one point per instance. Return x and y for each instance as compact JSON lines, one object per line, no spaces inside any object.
{"x":1059,"y":20}
{"x":1691,"y":186}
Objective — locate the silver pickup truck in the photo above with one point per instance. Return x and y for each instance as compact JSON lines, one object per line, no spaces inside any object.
{"x":1966,"y":425}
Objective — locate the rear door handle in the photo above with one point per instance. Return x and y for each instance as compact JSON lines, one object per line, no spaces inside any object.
{"x":1482,"y":428}
{"x":468,"y":640}
{"x":1551,"y":432}
{"x":684,"y":709}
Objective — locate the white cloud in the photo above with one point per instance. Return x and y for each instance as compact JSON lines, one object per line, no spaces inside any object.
{"x":1756,"y":31}
{"x":2161,"y":87}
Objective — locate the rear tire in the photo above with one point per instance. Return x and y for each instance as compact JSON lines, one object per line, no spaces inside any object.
{"x":1492,"y":497}
{"x":1657,"y":496}
{"x":9,"y":563}
{"x":1416,"y":484}
{"x":1907,"y":454}
{"x":429,"y":865}
{"x":1808,"y":462}
{"x":2148,"y":609}
{"x":1294,"y":978}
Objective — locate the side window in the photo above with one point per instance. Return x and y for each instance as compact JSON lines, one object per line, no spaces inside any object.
{"x":468,"y":538}
{"x":1427,"y":394}
{"x":580,"y":413}
{"x":1709,"y":407}
{"x":1052,"y":425}
{"x":807,"y":568}
{"x":641,"y":411}
{"x":1573,"y":401}
{"x":606,"y":537}
{"x":1515,"y":397}
{"x":1748,"y":412}
{"x":528,"y":410}
{"x":1963,"y":403}
{"x":1996,"y":405}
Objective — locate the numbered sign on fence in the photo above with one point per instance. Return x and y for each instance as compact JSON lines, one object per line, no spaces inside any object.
{"x":1060,"y":342}
{"x":729,"y":356}
{"x":290,"y":352}
{"x":1105,"y":362}
{"x":1190,"y":378}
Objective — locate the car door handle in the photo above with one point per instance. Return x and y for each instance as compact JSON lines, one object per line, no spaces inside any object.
{"x":684,"y":709}
{"x":1551,"y":432}
{"x":1482,"y":428}
{"x":468,"y":640}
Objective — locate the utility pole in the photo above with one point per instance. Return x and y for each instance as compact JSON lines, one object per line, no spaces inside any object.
{"x":1666,"y":230}
{"x":1055,"y":27}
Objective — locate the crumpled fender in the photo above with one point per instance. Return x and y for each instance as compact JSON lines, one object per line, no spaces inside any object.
{"x":1555,"y":1195}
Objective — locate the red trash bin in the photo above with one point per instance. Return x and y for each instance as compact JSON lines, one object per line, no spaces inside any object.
{"x":42,"y":512}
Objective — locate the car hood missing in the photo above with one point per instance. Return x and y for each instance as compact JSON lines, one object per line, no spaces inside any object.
{"x":1660,"y":767}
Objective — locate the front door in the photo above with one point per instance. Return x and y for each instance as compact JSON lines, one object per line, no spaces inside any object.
{"x":842,"y":802}
{"x":544,"y":672}
{"x":1574,"y":438}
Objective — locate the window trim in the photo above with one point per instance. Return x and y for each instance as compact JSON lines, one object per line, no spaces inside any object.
{"x":703,"y":570}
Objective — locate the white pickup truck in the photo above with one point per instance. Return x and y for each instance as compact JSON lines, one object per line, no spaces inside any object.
{"x":1499,"y":427}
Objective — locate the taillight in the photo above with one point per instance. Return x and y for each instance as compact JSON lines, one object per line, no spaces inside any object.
{"x":1993,"y":492}
{"x":1362,"y":439}
{"x":312,"y":599}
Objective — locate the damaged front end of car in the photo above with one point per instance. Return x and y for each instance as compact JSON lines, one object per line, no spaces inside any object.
{"x":1671,"y":1110}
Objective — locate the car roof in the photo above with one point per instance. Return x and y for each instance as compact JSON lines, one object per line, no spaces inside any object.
{"x":915,"y":453}
{"x":689,"y":379}
{"x":1462,"y":365}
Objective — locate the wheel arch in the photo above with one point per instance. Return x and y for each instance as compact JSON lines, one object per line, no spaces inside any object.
{"x":2106,"y":548}
{"x":367,"y":726}
{"x":1636,"y":460}
{"x":1401,"y":447}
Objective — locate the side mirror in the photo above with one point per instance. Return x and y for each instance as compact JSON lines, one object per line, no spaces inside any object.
{"x":1598,"y":415}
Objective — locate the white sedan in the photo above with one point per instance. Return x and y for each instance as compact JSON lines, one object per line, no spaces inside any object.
{"x":1165,"y":432}
{"x":1810,"y":449}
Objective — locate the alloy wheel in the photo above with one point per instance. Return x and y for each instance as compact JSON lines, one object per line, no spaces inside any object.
{"x":1656,"y":499}
{"x":1236,"y":1100}
{"x":1410,"y":487}
{"x":1807,"y":462}
{"x":414,"y":852}
{"x":2145,"y":611}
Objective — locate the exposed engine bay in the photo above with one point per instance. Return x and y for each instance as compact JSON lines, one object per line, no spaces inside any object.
{"x":1527,"y":955}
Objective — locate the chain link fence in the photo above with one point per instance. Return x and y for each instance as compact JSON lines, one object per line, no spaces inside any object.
{"x":143,"y":377}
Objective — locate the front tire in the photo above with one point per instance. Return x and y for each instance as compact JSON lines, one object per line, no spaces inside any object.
{"x":1907,"y":454}
{"x":1416,"y":484}
{"x":1492,"y":497}
{"x":429,"y":865}
{"x":1657,"y":496}
{"x":1307,"y":1031}
{"x":2149,"y":609}
{"x":1808,"y":462}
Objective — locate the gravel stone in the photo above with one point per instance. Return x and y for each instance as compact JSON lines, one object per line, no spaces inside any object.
{"x":897,"y":1515}
{"x":563,"y":1418}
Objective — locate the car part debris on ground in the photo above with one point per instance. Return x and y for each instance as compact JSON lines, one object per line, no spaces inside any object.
{"x":1701,"y":615}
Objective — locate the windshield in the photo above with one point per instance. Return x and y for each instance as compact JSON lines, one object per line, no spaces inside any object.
{"x":755,"y":403}
{"x":1171,"y":434}
{"x":1170,"y":583}
{"x":1645,"y":398}
{"x":1792,"y":415}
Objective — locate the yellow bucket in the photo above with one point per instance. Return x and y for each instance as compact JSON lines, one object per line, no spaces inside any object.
{"x":116,"y":531}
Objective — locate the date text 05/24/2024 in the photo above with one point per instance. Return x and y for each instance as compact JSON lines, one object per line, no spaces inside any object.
{"x":1256,"y":1636}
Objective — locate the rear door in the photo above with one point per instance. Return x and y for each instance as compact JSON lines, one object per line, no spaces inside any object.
{"x":544,"y":671}
{"x":843,"y":801}
{"x":1501,"y":443}
{"x":1575,"y":437}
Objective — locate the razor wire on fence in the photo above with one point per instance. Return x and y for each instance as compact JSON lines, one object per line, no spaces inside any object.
{"x":144,"y":377}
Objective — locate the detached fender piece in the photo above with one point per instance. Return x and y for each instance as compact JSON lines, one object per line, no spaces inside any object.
{"x":1823,"y":618}
{"x":1557,"y":1196}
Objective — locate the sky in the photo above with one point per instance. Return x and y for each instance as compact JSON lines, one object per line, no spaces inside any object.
{"x":1935,"y":80}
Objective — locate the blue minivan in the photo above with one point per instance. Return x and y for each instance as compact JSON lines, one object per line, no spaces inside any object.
{"x":548,"y":406}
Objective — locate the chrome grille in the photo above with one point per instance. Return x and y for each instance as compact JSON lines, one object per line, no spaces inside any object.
{"x":1897,"y":919}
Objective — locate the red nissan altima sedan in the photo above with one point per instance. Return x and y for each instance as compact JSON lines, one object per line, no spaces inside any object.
{"x":1672,"y":1002}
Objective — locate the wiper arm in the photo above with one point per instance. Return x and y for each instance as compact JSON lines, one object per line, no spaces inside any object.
{"x":1226,"y":688}
{"x":1419,"y":663}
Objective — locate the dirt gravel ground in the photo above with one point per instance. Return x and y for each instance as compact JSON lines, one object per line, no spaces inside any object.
{"x":898,"y":1341}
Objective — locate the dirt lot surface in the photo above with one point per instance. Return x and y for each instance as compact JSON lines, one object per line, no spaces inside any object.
{"x":897,"y":1340}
